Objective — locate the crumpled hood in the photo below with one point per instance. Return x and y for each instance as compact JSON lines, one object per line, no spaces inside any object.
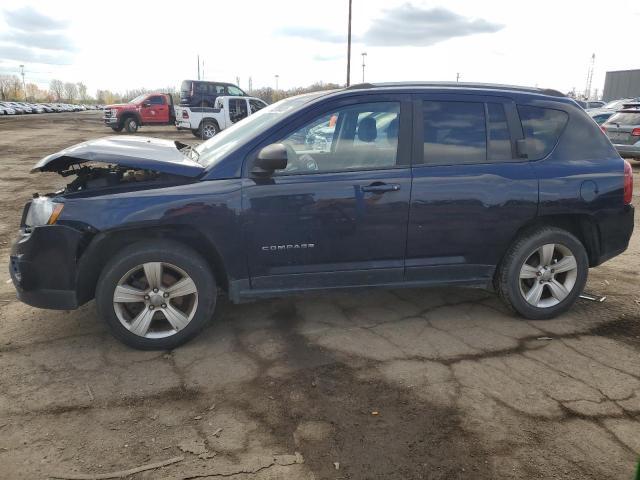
{"x":134,"y":152}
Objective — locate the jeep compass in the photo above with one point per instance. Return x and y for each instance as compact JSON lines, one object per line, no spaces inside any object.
{"x":388,"y":185}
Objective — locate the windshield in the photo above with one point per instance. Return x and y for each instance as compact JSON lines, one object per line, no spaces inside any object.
{"x":625,"y":118}
{"x":214,"y":149}
{"x":138,"y":99}
{"x":614,"y":104}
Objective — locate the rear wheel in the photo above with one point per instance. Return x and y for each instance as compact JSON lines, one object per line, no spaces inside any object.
{"x":543,"y":273}
{"x":131,"y":124}
{"x":156,"y":296}
{"x":208,"y":129}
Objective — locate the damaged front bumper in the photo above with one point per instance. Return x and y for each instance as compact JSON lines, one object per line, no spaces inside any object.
{"x":44,"y":265}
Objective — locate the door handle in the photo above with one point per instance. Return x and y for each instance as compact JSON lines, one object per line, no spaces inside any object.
{"x":379,"y":187}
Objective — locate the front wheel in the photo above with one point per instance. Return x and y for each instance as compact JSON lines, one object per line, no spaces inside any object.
{"x":543,"y":273}
{"x":156,"y":295}
{"x":131,"y":124}
{"x":117,"y":128}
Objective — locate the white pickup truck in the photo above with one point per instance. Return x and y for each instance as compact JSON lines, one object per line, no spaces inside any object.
{"x":205,"y":122}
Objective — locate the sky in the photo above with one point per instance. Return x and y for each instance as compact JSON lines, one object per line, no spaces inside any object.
{"x":120,"y":45}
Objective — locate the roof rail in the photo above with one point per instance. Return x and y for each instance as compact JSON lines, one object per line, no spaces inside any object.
{"x":491,"y":86}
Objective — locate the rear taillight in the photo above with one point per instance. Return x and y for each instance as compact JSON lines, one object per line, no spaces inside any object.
{"x":635,"y":132}
{"x":628,"y":182}
{"x":185,"y":114}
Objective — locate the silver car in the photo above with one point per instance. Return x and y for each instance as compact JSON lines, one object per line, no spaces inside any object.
{"x":623,"y":129}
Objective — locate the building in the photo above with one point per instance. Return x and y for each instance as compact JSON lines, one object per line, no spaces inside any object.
{"x":621,"y":84}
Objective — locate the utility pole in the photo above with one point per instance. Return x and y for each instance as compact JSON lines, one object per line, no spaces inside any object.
{"x":277,"y":77}
{"x":458,"y":77}
{"x":250,"y":85}
{"x":349,"y":49}
{"x":364,"y":54}
{"x":24,"y":85}
{"x":238,"y":81}
{"x":587,"y":88}
{"x":198,"y":67}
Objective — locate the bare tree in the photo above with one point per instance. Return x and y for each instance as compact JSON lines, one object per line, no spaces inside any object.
{"x":5,"y":83}
{"x":34,"y":93}
{"x":15,"y":88}
{"x":56,"y":87}
{"x":82,"y":91}
{"x":70,"y":92}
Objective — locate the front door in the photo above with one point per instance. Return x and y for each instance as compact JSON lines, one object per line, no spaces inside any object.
{"x":471,"y":192}
{"x":337,"y":216}
{"x":157,"y":110}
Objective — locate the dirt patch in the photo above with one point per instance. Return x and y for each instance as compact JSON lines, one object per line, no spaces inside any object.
{"x":374,"y":431}
{"x":625,"y":329}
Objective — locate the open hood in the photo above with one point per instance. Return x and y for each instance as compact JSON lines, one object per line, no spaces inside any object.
{"x":134,"y":152}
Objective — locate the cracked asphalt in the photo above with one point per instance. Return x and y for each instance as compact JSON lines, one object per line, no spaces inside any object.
{"x":374,"y":384}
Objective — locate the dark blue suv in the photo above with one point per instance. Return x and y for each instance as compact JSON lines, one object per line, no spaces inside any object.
{"x":390,"y":185}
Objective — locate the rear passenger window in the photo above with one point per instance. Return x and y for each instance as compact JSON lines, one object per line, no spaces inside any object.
{"x":542,"y":128}
{"x":454,"y":133}
{"x":499,"y":136}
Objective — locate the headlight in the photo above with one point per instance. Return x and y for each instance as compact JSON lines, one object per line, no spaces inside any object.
{"x":43,"y":212}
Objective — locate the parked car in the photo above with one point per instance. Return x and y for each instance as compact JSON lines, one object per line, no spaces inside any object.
{"x":18,"y":109}
{"x":146,"y":109}
{"x":623,"y":129}
{"x":7,"y":109}
{"x":207,"y":122}
{"x":199,"y":93}
{"x":25,"y":108}
{"x":459,"y":185}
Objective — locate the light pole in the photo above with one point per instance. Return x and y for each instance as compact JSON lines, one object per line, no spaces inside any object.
{"x":277,"y":77}
{"x":364,"y":54}
{"x":458,"y":77}
{"x":24,"y":85}
{"x":349,"y":48}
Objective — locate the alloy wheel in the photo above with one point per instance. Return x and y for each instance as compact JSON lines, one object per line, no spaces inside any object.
{"x":209,"y":131}
{"x":548,"y":275}
{"x":155,"y":300}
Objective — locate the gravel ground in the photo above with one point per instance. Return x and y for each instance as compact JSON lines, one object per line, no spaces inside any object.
{"x":396,"y":384}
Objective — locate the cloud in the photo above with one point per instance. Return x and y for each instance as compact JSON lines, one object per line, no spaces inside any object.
{"x":44,"y":40}
{"x":313,"y":33}
{"x":30,"y":55}
{"x":408,"y":25}
{"x":35,"y":38}
{"x":29,"y":20}
{"x":328,"y":58}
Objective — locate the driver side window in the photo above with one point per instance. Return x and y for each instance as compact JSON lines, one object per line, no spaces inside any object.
{"x":357,"y":137}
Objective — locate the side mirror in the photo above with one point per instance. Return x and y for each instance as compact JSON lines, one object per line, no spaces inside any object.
{"x":270,"y":158}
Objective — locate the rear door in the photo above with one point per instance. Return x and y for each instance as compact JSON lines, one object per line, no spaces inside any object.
{"x":238,"y":109}
{"x":471,"y":193}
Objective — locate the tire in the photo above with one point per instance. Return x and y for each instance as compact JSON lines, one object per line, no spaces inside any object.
{"x":126,"y":274}
{"x":117,"y":129}
{"x":131,"y":124}
{"x":515,"y":281}
{"x":195,"y":132}
{"x":208,"y":129}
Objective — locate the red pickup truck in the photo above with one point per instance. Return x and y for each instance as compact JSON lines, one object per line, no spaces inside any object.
{"x":146,"y":109}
